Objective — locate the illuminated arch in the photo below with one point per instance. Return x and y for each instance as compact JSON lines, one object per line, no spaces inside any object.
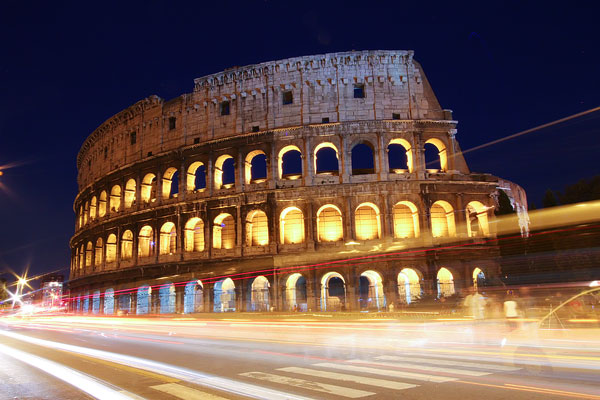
{"x":192,"y":184}
{"x":82,"y":257}
{"x":219,"y":170}
{"x":259,"y":294}
{"x":143,"y":300}
{"x":251,"y":158}
{"x":478,"y":277}
{"x":407,"y":151}
{"x":406,"y":220}
{"x":115,"y":198}
{"x":409,"y":286}
{"x":99,"y":252}
{"x":89,"y":251}
{"x":442,"y":152}
{"x":193,"y":297}
{"x":333,"y":292}
{"x":127,"y":245}
{"x":322,"y":148}
{"x":80,"y":217}
{"x":168,"y":239}
{"x":442,"y":219}
{"x":93,"y":208}
{"x":445,"y":283}
{"x":111,"y":247}
{"x":146,"y":242}
{"x":148,"y":188}
{"x":194,"y":235}
{"x":224,"y":296}
{"x":170,"y":183}
{"x":477,"y":219}
{"x":291,"y":226}
{"x":102,"y":204}
{"x":166,"y":297}
{"x":363,"y":152}
{"x":86,"y":212}
{"x":280,"y":163}
{"x":329,"y":224}
{"x":130,"y":193}
{"x":367,"y":222}
{"x":257,"y":228}
{"x":96,"y":302}
{"x":371,"y":294}
{"x":295,"y":293}
{"x":224,"y":232}
{"x":109,"y":302}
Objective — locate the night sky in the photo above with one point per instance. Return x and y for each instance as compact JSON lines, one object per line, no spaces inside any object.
{"x":67,"y":67}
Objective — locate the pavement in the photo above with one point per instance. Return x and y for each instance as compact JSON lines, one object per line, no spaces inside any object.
{"x":298,"y":356}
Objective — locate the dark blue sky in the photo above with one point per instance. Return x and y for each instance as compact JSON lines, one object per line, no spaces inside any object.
{"x":67,"y":67}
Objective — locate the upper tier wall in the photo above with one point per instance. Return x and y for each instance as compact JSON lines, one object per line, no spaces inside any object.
{"x":322,"y":88}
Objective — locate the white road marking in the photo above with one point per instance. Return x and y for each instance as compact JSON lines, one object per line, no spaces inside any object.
{"x":387,"y":372}
{"x":436,"y":361}
{"x":94,"y":387}
{"x":405,"y":364}
{"x":310,"y":385}
{"x":349,"y":378}
{"x":185,"y":392}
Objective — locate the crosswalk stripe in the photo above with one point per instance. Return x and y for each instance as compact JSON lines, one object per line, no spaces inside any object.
{"x":436,"y":361}
{"x":185,"y":392}
{"x":387,"y":372}
{"x":349,"y":378}
{"x":405,"y":364}
{"x":316,"y":386}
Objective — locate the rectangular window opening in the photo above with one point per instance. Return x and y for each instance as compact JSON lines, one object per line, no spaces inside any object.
{"x":133,"y":137}
{"x":196,"y":140}
{"x":149,"y":154}
{"x":325,"y":120}
{"x":288,"y":97}
{"x":172,"y":123}
{"x":255,"y":128}
{"x":395,"y":116}
{"x":359,"y":91}
{"x":224,"y":107}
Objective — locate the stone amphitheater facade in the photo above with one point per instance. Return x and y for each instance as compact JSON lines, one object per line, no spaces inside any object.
{"x":221,"y":200}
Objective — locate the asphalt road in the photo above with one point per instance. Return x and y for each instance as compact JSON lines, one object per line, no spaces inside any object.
{"x":74,"y":357}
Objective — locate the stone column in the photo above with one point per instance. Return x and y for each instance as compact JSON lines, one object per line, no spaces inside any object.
{"x":179,"y":295}
{"x":312,"y":288}
{"x":352,"y":295}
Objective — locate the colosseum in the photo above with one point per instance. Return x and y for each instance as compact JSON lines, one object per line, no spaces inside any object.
{"x":320,"y":183}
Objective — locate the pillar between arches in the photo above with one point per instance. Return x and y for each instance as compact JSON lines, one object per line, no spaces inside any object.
{"x":179,"y":295}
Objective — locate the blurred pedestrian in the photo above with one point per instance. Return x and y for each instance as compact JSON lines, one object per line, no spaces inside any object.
{"x":511,"y":312}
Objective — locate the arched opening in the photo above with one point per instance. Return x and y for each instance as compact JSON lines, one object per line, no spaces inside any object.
{"x":255,"y":167}
{"x":194,"y":235}
{"x":166,"y":296}
{"x":333,"y":292}
{"x":109,"y":302}
{"x":329,"y":224}
{"x":257,"y":229}
{"x":168,"y":239}
{"x":442,"y":219}
{"x":196,"y":177}
{"x":130,"y":193}
{"x":367,"y":222}
{"x":143,"y":300}
{"x":326,"y":159}
{"x":436,"y":158}
{"x":96,"y":302}
{"x":89,"y":252}
{"x":115,"y":198}
{"x":193,"y":297}
{"x":93,"y":208}
{"x":259,"y":294}
{"x":445,"y":283}
{"x":98,"y":252}
{"x":170,"y":183}
{"x":81,"y":257}
{"x":409,"y":286}
{"x":80,"y":217}
{"x":224,"y":296}
{"x":291,"y":226}
{"x":477,"y":219}
{"x":478,"y":278}
{"x":146,"y":242}
{"x":111,"y":247}
{"x":289,"y":163}
{"x":124,"y":303}
{"x":86,"y":212}
{"x":371,"y":291}
{"x":363,"y":159}
{"x":148,"y":189}
{"x":86,"y":302}
{"x":406,"y":220}
{"x":224,"y":172}
{"x":126,"y":245}
{"x":224,"y":232}
{"x":295,"y":293}
{"x":400,"y":156}
{"x":102,"y":204}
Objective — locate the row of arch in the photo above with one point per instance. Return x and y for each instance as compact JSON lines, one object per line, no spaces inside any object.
{"x":332,"y":296}
{"x":329,"y":228}
{"x":326,"y":161}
